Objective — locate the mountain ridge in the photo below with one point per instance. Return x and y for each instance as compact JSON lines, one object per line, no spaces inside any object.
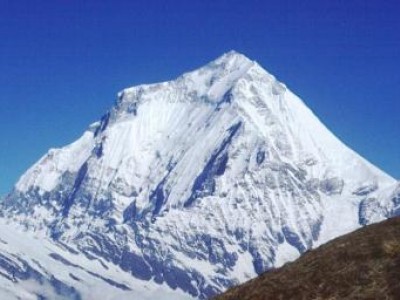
{"x":201,"y":182}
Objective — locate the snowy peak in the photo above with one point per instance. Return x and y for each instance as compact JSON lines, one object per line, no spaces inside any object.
{"x":176,"y":129}
{"x":173,"y":131}
{"x":232,"y":56}
{"x":208,"y":83}
{"x":226,"y":65}
{"x":215,"y":79}
{"x":229,"y":62}
{"x":201,"y":182}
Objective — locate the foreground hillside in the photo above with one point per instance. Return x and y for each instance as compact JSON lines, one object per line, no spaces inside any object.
{"x":364,"y":264}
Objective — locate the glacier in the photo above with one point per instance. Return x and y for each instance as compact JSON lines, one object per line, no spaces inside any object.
{"x":185,"y":188}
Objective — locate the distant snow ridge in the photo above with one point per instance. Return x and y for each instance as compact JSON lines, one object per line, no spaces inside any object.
{"x":198,"y":184}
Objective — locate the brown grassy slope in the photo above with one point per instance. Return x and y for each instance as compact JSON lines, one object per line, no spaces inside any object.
{"x":364,"y":264}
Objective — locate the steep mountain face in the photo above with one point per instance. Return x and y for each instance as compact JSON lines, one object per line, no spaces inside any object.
{"x":361,"y":265}
{"x":202,"y":182}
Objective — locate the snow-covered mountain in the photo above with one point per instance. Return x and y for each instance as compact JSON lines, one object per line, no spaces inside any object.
{"x":194,"y":185}
{"x":35,"y":267}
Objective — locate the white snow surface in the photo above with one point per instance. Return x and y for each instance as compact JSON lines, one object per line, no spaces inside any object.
{"x":34,"y":250}
{"x":228,"y":171}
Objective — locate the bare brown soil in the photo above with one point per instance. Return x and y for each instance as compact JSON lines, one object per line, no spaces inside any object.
{"x":364,"y":264}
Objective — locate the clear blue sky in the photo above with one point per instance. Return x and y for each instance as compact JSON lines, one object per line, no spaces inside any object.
{"x":62,"y":62}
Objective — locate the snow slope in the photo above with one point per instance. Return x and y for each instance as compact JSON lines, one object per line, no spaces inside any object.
{"x":34,"y":267}
{"x":201,"y":182}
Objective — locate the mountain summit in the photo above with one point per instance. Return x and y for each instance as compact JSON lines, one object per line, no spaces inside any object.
{"x":202,"y":182}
